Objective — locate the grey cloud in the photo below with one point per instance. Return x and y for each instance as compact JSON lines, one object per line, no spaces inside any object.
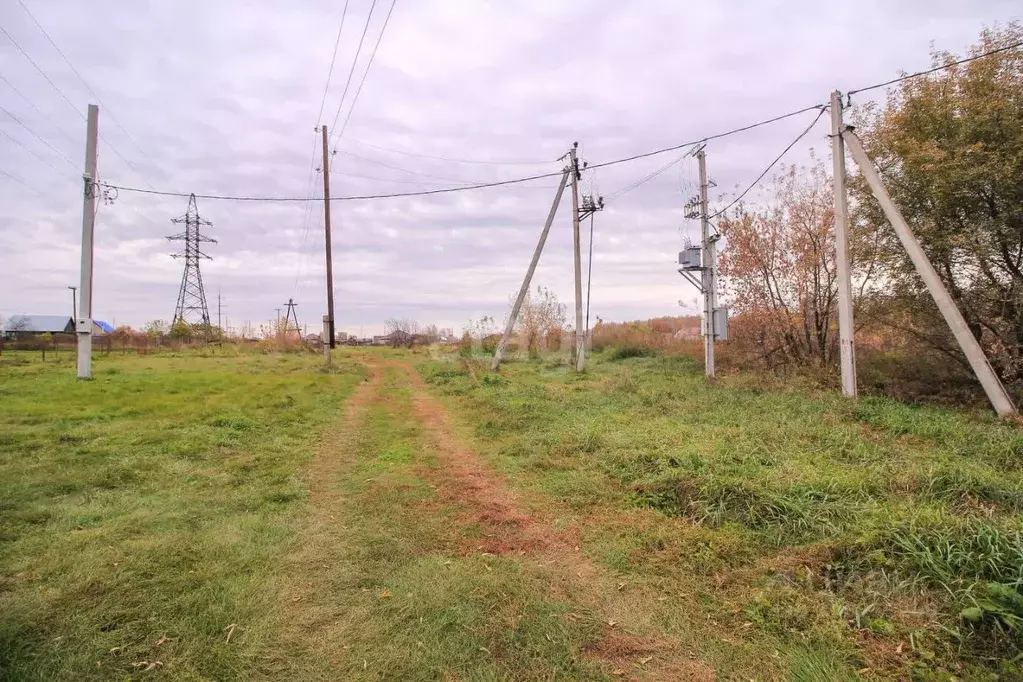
{"x":222,"y":97}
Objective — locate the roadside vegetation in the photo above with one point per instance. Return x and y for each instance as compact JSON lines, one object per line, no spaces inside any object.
{"x":792,"y":533}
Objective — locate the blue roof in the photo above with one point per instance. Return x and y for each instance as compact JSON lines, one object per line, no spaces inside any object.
{"x":104,"y":326}
{"x":55,"y":324}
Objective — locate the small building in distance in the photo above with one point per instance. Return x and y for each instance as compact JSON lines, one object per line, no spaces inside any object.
{"x":37,"y":325}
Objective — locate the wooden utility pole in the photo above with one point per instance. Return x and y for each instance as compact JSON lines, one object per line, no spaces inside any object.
{"x":83,"y":325}
{"x":580,"y":351}
{"x":996,"y":392}
{"x":846,"y":331}
{"x":326,"y":231}
{"x":707,"y":272}
{"x":524,"y":289}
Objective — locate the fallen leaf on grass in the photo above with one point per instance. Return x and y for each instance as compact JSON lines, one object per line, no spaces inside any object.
{"x":618,"y":672}
{"x":612,"y":623}
{"x":386,"y":594}
{"x":147,"y":665}
{"x":230,"y":631}
{"x":644,"y":661}
{"x":163,"y":640}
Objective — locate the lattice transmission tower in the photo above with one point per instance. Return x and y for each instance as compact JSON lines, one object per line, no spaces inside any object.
{"x":191,"y":306}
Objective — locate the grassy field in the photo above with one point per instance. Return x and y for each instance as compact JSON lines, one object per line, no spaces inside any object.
{"x":795,"y":534}
{"x":145,"y":512}
{"x":416,"y":517}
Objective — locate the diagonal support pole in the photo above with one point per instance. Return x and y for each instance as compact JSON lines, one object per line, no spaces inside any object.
{"x":996,"y":392}
{"x":524,"y":289}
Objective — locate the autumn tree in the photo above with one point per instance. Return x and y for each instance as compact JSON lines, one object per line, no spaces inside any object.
{"x":542,"y":319}
{"x":780,"y":270}
{"x":949,"y":147}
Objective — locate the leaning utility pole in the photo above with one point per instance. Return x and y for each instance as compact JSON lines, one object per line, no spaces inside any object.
{"x":993,"y":387}
{"x":846,"y":332}
{"x":83,"y":324}
{"x":524,"y":289}
{"x":580,"y":350}
{"x":326,"y":233}
{"x":707,"y":277}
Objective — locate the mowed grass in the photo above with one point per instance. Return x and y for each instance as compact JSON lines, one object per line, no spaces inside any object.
{"x":146,"y":512}
{"x":795,"y":534}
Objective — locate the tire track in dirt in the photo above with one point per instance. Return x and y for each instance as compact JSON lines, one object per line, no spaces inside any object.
{"x":484,"y":499}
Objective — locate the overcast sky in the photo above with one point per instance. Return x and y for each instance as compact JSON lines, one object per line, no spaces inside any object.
{"x":223,"y":97}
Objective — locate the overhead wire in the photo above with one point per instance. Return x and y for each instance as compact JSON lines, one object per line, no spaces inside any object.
{"x":369,"y":66}
{"x":72,"y":104}
{"x":355,"y":62}
{"x":36,"y":135}
{"x":935,"y":69}
{"x":403,"y":170}
{"x":37,"y":110}
{"x":312,"y":157}
{"x":41,"y":159}
{"x":770,"y":165}
{"x":818,"y":107}
{"x":452,"y":160}
{"x":106,"y":110}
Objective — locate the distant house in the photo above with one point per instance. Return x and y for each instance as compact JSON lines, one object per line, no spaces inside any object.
{"x":34,"y":325}
{"x":39,"y":324}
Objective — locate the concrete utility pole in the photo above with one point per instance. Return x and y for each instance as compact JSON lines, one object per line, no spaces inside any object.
{"x":708,"y":272}
{"x":846,"y":330}
{"x":996,"y":392}
{"x":580,"y":339}
{"x":326,"y":230}
{"x":83,"y":324}
{"x":524,"y":289}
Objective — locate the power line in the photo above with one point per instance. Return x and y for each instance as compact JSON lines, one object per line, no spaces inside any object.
{"x":403,"y":170}
{"x":72,"y":104}
{"x":41,"y":159}
{"x":454,"y":161}
{"x":312,"y":157}
{"x":41,"y":72}
{"x":38,"y":137}
{"x":771,"y":165}
{"x":21,"y":182}
{"x":355,"y":61}
{"x":369,"y":66}
{"x":362,"y":197}
{"x":99,"y":100}
{"x":645,"y":179}
{"x":37,"y":110}
{"x":333,"y":58}
{"x":950,"y":65}
{"x":818,"y":107}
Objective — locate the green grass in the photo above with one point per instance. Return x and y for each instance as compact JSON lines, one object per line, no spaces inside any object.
{"x":865,"y":526}
{"x":398,"y":599}
{"x":762,"y":531}
{"x":144,"y":512}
